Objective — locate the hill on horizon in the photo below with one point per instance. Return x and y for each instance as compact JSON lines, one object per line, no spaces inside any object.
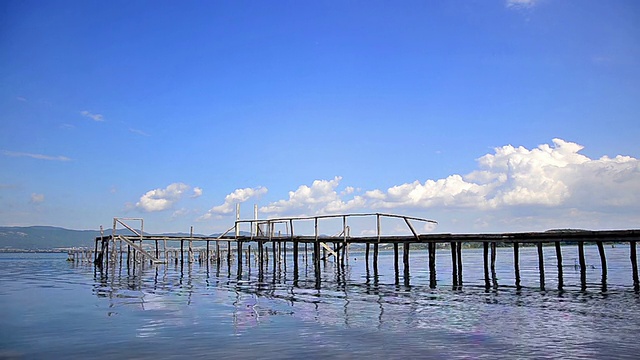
{"x":52,"y":237}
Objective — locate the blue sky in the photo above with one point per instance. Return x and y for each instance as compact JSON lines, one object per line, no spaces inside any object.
{"x":483,"y":115}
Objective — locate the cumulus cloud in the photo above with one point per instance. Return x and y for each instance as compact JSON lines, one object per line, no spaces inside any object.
{"x":94,"y":117}
{"x":321,"y":197}
{"x":513,"y":187}
{"x":162,"y":199}
{"x":555,"y":175}
{"x":238,"y":196}
{"x":36,"y":198}
{"x":35,"y":156}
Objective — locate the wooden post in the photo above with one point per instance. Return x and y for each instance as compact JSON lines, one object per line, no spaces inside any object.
{"x":432,"y":265}
{"x":454,"y":264}
{"x":494,"y":279}
{"x":541,"y":265}
{"x":239,"y":246}
{"x":181,"y":251}
{"x":485,"y":257}
{"x":405,"y":262}
{"x":207,"y":256}
{"x":583,"y":265}
{"x":459,"y":253}
{"x":603,"y":261}
{"x":295,"y":262}
{"x":316,"y":255}
{"x":375,"y":257}
{"x":516,"y":263}
{"x":634,"y":265}
{"x":395,"y":261}
{"x":366,"y":255}
{"x":559,"y":257}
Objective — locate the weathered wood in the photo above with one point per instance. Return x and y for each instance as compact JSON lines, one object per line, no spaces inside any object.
{"x":405,"y":260}
{"x":181,"y":251}
{"x":375,"y":257}
{"x":583,"y":265}
{"x":541,"y":265}
{"x":432,"y":265}
{"x":395,"y":261}
{"x":559,"y":258}
{"x":494,"y":279}
{"x":603,"y":260}
{"x":634,"y":264}
{"x":459,"y":254}
{"x":239,"y":249}
{"x":485,"y":258}
{"x":366,"y":255}
{"x":454,"y":265}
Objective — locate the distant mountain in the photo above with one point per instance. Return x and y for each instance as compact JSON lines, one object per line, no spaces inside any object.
{"x":44,"y":237}
{"x":50,"y":237}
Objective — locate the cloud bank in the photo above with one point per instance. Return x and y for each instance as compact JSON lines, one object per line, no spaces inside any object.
{"x":549,"y":176}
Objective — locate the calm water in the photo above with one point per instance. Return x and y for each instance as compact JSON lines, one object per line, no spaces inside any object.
{"x":53,"y":308}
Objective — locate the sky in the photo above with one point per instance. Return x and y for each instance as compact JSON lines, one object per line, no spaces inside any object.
{"x":486,"y":116}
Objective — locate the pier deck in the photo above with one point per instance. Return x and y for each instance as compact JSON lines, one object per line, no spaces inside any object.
{"x":141,"y":246}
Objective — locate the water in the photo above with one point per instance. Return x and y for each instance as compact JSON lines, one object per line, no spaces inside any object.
{"x":53,"y":308}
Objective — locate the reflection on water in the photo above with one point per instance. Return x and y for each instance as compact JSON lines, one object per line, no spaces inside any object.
{"x":359,"y":311}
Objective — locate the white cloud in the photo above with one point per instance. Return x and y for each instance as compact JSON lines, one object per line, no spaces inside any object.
{"x":20,"y":98}
{"x":546,"y":176}
{"x":551,"y":185}
{"x":94,"y":117}
{"x":162,"y":199}
{"x":521,"y":3}
{"x":36,"y":198}
{"x":35,"y":156}
{"x":197,"y":192}
{"x":238,"y":196}
{"x":321,"y":197}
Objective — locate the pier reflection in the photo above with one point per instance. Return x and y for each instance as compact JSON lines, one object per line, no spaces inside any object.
{"x":356,"y":290}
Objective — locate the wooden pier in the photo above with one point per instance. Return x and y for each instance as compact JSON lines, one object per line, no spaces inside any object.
{"x":234,"y":245}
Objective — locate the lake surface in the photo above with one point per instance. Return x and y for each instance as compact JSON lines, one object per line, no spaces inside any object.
{"x":51,"y":308}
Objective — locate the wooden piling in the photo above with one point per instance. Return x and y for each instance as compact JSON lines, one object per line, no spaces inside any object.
{"x":239,"y":248}
{"x":583,"y":265}
{"x":603,"y":260}
{"x":559,"y":258}
{"x":485,"y":257}
{"x":375,"y":257}
{"x":366,"y":255}
{"x":459,"y":254}
{"x":181,"y":251}
{"x":541,"y":265}
{"x":395,"y":261}
{"x":634,"y":264}
{"x":432,"y":264}
{"x":405,"y":261}
{"x":494,"y":279}
{"x":454,"y":265}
